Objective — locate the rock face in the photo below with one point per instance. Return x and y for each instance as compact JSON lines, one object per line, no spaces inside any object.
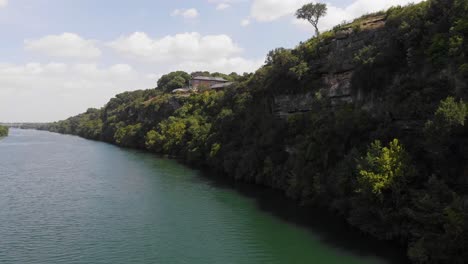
{"x":337,"y":86}
{"x":285,"y":105}
{"x":336,"y":65}
{"x":339,"y":56}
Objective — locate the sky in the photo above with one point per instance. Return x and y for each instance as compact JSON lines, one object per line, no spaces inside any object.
{"x":60,"y":57}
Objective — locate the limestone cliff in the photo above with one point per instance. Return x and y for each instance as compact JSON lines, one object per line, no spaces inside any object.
{"x":336,"y":65}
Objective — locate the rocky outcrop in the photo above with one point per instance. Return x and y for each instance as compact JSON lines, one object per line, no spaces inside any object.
{"x":285,"y":105}
{"x":337,"y":86}
{"x":340,"y":55}
{"x":336,"y":65}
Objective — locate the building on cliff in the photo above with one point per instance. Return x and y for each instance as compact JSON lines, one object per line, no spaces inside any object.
{"x":221,"y":86}
{"x":197,"y":82}
{"x":209,"y":82}
{"x":183,"y":90}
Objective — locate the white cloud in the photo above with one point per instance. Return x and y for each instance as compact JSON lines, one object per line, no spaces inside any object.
{"x":54,"y":91}
{"x":334,"y":17}
{"x":36,"y":92}
{"x":245,"y":22}
{"x":175,"y":48}
{"x":66,"y":45}
{"x":3,"y":3}
{"x":190,"y":13}
{"x":223,"y":6}
{"x":228,"y":1}
{"x":361,"y":7}
{"x":186,"y":51}
{"x":270,"y":10}
{"x":225,"y":65}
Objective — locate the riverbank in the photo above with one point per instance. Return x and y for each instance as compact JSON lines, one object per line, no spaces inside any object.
{"x":332,"y":229}
{"x":85,"y":201}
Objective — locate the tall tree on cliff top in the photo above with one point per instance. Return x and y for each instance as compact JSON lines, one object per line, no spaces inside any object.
{"x":312,"y":13}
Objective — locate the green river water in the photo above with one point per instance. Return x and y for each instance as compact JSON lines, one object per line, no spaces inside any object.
{"x":67,"y":200}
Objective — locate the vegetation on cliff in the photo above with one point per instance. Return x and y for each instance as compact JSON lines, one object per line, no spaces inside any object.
{"x":3,"y":131}
{"x":392,"y":159}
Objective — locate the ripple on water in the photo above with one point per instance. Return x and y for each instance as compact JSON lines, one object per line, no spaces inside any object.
{"x":67,"y":200}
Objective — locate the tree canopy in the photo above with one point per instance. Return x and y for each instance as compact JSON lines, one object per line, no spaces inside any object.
{"x":174,"y":80}
{"x":3,"y":131}
{"x":312,"y":12}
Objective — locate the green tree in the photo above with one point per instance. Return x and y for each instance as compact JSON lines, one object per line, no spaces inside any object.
{"x":384,"y":169}
{"x":439,"y":224}
{"x":312,"y":13}
{"x":444,"y":139}
{"x":450,"y":113}
{"x":3,"y":131}
{"x":381,"y":191}
{"x":173,"y":81}
{"x":153,"y":141}
{"x":128,"y":136}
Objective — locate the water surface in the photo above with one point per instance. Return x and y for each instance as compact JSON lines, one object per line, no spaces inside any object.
{"x":67,"y":200}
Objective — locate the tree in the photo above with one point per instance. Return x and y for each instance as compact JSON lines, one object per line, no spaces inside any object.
{"x":451,"y":113}
{"x":173,"y":81}
{"x":3,"y":131}
{"x":312,"y":13}
{"x":128,"y":136}
{"x":444,"y":139}
{"x":384,"y":169}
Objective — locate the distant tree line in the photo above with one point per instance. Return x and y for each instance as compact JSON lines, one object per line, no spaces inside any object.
{"x":3,"y":131}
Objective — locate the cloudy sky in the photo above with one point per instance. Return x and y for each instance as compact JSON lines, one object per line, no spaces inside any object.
{"x":59,"y":57}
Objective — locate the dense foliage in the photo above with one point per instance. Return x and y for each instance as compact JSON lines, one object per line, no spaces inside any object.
{"x":3,"y":131}
{"x":394,"y":162}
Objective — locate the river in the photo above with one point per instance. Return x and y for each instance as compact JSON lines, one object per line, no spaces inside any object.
{"x":67,"y":200}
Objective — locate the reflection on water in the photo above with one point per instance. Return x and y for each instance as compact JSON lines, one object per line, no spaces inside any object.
{"x":70,"y":200}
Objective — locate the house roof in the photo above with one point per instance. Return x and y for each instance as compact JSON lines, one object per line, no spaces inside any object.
{"x":221,"y":85}
{"x":204,"y":78}
{"x":182,"y":90}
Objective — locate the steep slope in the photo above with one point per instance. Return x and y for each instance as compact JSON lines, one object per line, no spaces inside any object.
{"x":367,"y":120}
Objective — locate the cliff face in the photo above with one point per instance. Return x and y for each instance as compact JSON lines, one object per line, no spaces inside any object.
{"x":336,"y":65}
{"x":340,"y":53}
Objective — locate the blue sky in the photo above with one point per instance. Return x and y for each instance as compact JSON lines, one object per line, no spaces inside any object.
{"x":59,"y":57}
